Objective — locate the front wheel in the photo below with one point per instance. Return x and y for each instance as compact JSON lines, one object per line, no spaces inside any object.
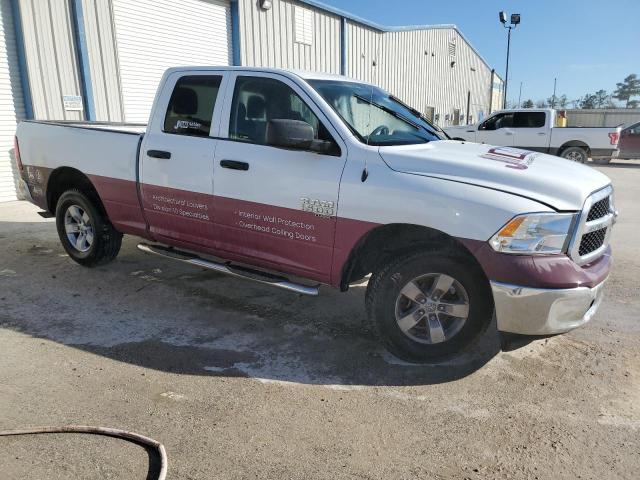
{"x":85,"y":232}
{"x":428,"y":306}
{"x":575,"y":154}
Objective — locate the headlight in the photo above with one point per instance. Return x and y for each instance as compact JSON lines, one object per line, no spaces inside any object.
{"x":534,"y":234}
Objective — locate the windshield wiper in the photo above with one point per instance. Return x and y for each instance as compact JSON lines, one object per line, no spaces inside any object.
{"x":418,"y":114}
{"x":389,"y":111}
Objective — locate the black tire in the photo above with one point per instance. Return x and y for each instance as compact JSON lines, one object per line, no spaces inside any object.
{"x":106,"y":240}
{"x":384,"y":290}
{"x":575,"y":154}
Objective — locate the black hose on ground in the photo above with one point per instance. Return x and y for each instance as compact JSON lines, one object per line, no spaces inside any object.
{"x":110,"y":432}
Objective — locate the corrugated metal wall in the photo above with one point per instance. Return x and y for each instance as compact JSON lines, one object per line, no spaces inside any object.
{"x":11,"y":103}
{"x":415,"y":65}
{"x":51,"y":57}
{"x":268,"y":37}
{"x":103,"y":60}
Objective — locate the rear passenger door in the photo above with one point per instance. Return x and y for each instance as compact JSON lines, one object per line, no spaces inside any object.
{"x":275,"y":207}
{"x":531,"y":131}
{"x":176,"y":171}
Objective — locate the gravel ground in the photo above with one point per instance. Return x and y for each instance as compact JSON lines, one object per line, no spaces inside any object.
{"x":239,"y":380}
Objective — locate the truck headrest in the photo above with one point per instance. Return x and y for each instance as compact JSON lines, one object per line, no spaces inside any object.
{"x":184,"y":101}
{"x":256,"y":107}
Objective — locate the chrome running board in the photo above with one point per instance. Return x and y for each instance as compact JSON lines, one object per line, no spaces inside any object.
{"x":229,"y":269}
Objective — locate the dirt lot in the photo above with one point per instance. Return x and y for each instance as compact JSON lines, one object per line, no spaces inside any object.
{"x":242,"y":381}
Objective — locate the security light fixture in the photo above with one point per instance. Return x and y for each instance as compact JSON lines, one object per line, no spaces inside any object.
{"x":265,"y":4}
{"x":514,"y":22}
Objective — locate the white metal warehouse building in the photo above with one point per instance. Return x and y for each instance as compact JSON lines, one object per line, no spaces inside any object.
{"x":101,"y":60}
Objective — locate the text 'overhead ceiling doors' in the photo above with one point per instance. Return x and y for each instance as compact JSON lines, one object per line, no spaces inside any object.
{"x":153,"y":35}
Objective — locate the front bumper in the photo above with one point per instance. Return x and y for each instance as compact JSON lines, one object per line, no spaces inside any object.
{"x":537,"y":311}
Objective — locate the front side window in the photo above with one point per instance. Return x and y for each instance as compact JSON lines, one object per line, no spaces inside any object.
{"x":191,"y":106}
{"x":259,"y":100}
{"x":374,"y":116}
{"x":502,"y":120}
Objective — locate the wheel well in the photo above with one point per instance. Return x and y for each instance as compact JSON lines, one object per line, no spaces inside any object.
{"x":574,"y":143}
{"x":66,"y":178}
{"x":385,"y":241}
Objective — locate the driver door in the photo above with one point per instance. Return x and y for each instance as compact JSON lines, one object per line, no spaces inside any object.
{"x":275,"y":207}
{"x":497,"y":130}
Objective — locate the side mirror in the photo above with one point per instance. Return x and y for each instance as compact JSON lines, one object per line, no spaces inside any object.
{"x":288,"y":133}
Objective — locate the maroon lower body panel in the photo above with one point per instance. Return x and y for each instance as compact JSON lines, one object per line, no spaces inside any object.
{"x":288,"y":240}
{"x":120,"y":200}
{"x":538,"y":271}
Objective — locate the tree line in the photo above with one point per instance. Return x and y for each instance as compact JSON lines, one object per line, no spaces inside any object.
{"x":625,"y":92}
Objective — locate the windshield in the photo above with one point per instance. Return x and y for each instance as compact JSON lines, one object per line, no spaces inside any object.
{"x":374,"y":116}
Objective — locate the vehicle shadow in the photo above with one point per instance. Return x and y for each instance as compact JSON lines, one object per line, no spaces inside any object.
{"x":618,"y":164}
{"x":168,"y":316}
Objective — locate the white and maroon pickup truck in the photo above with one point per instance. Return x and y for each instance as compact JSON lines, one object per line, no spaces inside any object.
{"x":300,"y":179}
{"x":534,"y":129}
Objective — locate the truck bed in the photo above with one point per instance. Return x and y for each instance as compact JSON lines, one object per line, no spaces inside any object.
{"x":106,"y":153}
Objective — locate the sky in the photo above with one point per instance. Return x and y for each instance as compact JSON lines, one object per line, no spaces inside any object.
{"x":587,"y":45}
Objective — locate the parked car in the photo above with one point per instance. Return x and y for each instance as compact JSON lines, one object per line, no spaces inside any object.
{"x":301,"y":179}
{"x":630,"y":142}
{"x":534,"y":130}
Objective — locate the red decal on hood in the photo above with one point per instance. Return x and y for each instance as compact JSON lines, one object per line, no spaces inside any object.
{"x":512,"y":157}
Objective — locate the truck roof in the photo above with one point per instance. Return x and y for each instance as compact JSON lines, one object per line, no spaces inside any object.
{"x":304,"y":74}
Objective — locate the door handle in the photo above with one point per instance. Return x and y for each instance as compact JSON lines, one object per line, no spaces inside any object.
{"x":508,"y":133}
{"x":470,"y":131}
{"x":234,"y":165}
{"x":542,"y":134}
{"x":159,"y":154}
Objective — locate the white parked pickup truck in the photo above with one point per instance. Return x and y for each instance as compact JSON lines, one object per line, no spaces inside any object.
{"x":533,"y":129}
{"x":301,"y":179}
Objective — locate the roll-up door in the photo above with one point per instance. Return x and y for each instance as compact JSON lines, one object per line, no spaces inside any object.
{"x":153,"y":35}
{"x":11,"y":104}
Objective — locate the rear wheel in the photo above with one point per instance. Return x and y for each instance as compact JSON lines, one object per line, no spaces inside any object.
{"x":575,"y":154}
{"x":427,"y":306}
{"x":85,"y":232}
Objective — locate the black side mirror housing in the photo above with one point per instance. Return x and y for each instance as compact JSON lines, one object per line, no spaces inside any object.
{"x":287,"y":133}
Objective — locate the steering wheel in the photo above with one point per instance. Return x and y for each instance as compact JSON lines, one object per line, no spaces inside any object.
{"x":380,"y":130}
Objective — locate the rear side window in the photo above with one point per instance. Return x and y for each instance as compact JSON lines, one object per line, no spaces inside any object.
{"x":191,"y":106}
{"x":529,"y":120}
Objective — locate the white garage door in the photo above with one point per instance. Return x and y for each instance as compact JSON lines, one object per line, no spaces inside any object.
{"x":11,"y":105}
{"x":153,"y":35}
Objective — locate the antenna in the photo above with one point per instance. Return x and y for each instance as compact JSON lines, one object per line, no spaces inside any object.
{"x":374,"y":65}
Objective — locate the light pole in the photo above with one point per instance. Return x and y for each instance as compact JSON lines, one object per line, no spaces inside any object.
{"x":515,"y":21}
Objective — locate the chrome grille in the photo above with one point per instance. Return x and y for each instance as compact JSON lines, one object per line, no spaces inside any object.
{"x":599,"y":209}
{"x":591,"y":237}
{"x":592,"y":241}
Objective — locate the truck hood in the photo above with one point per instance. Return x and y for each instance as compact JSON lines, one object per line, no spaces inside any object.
{"x":559,"y":183}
